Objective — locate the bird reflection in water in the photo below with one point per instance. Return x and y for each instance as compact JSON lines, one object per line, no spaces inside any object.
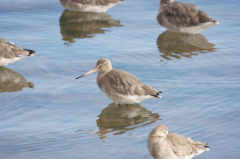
{"x":123,"y":119}
{"x":85,"y":25}
{"x":11,"y":81}
{"x":175,"y":45}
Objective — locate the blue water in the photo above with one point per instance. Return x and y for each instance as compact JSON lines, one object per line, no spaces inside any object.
{"x":61,"y":117}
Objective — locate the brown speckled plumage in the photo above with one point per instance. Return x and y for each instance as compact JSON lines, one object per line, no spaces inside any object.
{"x":183,"y":15}
{"x":176,"y":15}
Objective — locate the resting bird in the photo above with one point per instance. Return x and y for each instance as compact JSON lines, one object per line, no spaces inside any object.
{"x":183,"y":17}
{"x":10,"y":52}
{"x":89,"y":5}
{"x":120,"y":86}
{"x":166,"y":145}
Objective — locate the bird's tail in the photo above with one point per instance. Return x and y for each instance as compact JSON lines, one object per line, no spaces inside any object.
{"x":31,"y":52}
{"x":158,"y":94}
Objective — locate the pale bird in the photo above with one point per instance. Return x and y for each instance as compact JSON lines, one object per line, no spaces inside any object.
{"x":183,"y":17}
{"x":166,"y":145}
{"x":120,"y":86}
{"x":89,"y":5}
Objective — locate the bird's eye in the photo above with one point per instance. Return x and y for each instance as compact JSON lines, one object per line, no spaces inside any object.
{"x":101,"y":65}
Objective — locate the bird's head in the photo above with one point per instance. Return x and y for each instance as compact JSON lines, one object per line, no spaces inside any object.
{"x":160,"y":131}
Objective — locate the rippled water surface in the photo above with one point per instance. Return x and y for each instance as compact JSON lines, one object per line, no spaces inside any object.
{"x":46,"y":113}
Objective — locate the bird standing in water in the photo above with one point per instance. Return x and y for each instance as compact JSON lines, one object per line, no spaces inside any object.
{"x":183,"y":17}
{"x":120,"y":86}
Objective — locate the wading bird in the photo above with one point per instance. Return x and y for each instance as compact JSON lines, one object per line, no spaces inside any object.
{"x":120,"y":86}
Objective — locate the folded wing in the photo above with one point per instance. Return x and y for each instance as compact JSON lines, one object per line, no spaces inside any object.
{"x":181,"y":146}
{"x":124,"y":83}
{"x":10,"y":50}
{"x":185,"y":15}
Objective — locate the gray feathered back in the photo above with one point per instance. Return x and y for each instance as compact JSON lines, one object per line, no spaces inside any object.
{"x":10,"y":50}
{"x":124,"y":83}
{"x":183,"y":15}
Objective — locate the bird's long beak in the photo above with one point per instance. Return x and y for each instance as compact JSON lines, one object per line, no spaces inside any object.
{"x":93,"y":70}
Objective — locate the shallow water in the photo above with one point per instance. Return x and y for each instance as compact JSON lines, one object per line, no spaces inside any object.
{"x":46,"y":113}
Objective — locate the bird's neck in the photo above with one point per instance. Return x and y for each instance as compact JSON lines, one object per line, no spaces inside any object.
{"x":161,"y":8}
{"x":100,"y":75}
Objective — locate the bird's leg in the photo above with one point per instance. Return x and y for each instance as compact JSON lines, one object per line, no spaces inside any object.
{"x":118,"y":106}
{"x":127,"y":106}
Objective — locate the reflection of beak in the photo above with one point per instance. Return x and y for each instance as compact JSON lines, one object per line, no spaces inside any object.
{"x":93,"y":70}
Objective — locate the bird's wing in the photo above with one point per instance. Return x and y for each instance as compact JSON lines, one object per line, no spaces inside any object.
{"x":181,"y":146}
{"x":95,"y":2}
{"x":122,"y":82}
{"x":185,"y":15}
{"x":204,"y":17}
{"x":5,"y":51}
{"x":10,"y":50}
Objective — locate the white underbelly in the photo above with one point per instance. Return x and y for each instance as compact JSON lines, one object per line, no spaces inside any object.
{"x":193,"y":29}
{"x":129,"y":99}
{"x":197,"y":29}
{"x":89,"y":8}
{"x":6,"y":61}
